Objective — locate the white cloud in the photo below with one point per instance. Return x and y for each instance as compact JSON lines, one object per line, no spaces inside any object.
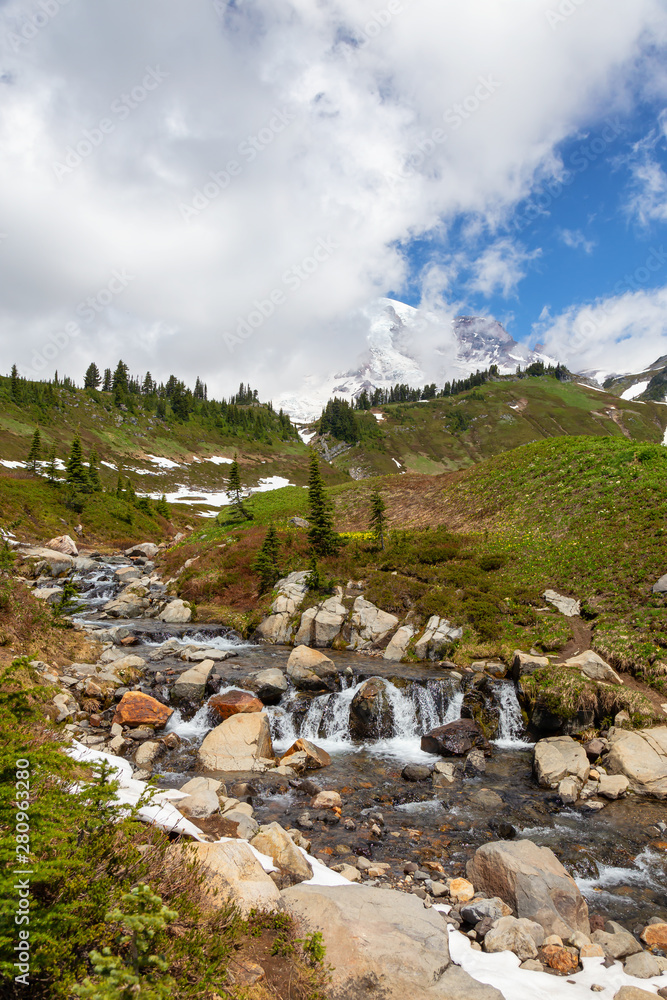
{"x":575,"y":239}
{"x":625,"y":332}
{"x":648,"y":198}
{"x":501,"y":267}
{"x":369,"y":160}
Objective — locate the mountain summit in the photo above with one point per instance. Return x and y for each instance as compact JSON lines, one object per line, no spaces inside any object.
{"x":412,"y":346}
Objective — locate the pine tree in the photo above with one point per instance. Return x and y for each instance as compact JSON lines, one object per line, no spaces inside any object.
{"x":378,"y":518}
{"x":162,"y":507}
{"x":93,"y":472}
{"x":235,"y":492}
{"x":106,"y":384}
{"x":324,"y":541}
{"x":35,"y":451}
{"x":266,"y":561}
{"x":76,"y":475}
{"x":92,"y":378}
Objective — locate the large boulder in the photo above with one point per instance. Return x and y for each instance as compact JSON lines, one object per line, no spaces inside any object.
{"x":240,"y":743}
{"x":191,"y":684}
{"x":321,"y":624}
{"x":146,"y":549}
{"x":63,"y":544}
{"x":233,"y":703}
{"x":594,"y":666}
{"x":273,"y":840}
{"x":371,"y":713}
{"x":399,"y":643}
{"x":526,"y":663}
{"x":456,"y":739}
{"x":49,"y":561}
{"x":311,"y":659}
{"x":369,"y":624}
{"x":276,"y":629}
{"x":177,"y":612}
{"x":380,"y":943}
{"x":641,"y":755}
{"x":519,"y":935}
{"x":533,"y":882}
{"x":137,"y":709}
{"x":269,"y":685}
{"x":560,"y":757}
{"x":235,"y":876}
{"x":438,"y":634}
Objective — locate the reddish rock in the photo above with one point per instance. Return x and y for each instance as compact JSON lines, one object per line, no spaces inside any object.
{"x":655,"y":936}
{"x":317,"y":757}
{"x":562,"y":960}
{"x":456,"y":739}
{"x":234,"y":702}
{"x":137,"y":709}
{"x":129,"y":640}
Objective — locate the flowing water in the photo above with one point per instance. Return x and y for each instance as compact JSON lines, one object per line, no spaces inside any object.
{"x":617,"y":855}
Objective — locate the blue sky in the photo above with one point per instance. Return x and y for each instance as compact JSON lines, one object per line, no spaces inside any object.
{"x":584,"y":238}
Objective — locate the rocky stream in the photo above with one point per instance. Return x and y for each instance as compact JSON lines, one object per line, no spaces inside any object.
{"x":335,"y":749}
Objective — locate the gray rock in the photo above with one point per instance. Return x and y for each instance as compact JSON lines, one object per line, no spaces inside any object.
{"x":371,"y":714}
{"x":399,"y":643}
{"x":176,"y":612}
{"x":660,"y":587}
{"x":273,"y":840}
{"x":594,"y":666}
{"x":641,"y":755}
{"x":312,"y":660}
{"x":458,"y":985}
{"x":191,"y":685}
{"x":240,"y":743}
{"x":478,"y":909}
{"x":416,"y":772}
{"x":369,"y":624}
{"x":642,"y":964}
{"x":200,"y":804}
{"x":439,"y":632}
{"x":321,"y":624}
{"x":533,"y":882}
{"x":270,"y":685}
{"x":558,"y":757}
{"x":381,"y":943}
{"x":512,"y":934}
{"x":567,"y":606}
{"x":526,"y":663}
{"x":147,"y":752}
{"x":615,"y":941}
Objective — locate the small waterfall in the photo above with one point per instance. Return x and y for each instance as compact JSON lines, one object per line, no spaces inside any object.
{"x":453,"y":713}
{"x":510,"y":723}
{"x":416,"y":709}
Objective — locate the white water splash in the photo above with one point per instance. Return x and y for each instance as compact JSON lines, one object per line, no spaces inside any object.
{"x":510,"y":723}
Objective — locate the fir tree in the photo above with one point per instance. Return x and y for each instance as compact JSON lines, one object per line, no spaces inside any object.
{"x":266,"y":562}
{"x":235,"y":492}
{"x":378,"y":518}
{"x":35,"y":451}
{"x":76,"y":475}
{"x":323,"y":539}
{"x":162,"y":507}
{"x":92,"y":378}
{"x":15,"y":385}
{"x":93,"y":472}
{"x":106,"y":384}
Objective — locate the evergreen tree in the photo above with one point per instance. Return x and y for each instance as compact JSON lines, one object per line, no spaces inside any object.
{"x":378,"y":518}
{"x":92,"y":378}
{"x":106,"y":385}
{"x":35,"y":451}
{"x":162,"y":507}
{"x":93,"y":472}
{"x":235,"y":491}
{"x":76,"y":475}
{"x":52,"y":468}
{"x":323,"y":539}
{"x":15,"y":385}
{"x":266,"y":561}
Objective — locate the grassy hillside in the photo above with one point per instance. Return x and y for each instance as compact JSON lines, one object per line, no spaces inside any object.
{"x":442,"y":435}
{"x":584,"y":516}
